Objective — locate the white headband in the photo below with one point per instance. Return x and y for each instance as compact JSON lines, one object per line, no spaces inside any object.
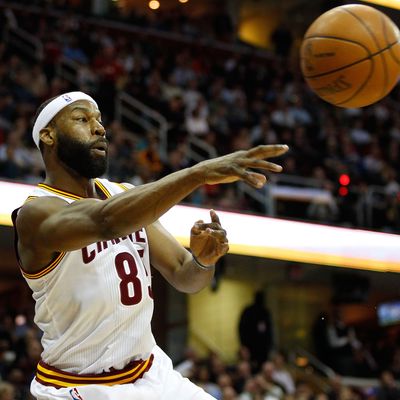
{"x":53,"y":108}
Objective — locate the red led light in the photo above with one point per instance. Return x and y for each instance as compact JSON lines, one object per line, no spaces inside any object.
{"x":344,"y":179}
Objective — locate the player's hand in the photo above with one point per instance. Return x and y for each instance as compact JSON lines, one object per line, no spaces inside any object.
{"x":239,"y":165}
{"x":208,"y":241}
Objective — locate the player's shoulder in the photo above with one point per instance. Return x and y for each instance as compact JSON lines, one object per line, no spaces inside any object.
{"x":36,"y":208}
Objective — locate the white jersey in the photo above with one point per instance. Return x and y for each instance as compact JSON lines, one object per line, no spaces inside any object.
{"x":94,"y":305}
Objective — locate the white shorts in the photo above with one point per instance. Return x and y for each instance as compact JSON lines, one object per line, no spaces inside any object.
{"x":160,"y":382}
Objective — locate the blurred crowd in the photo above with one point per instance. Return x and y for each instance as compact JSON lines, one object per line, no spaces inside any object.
{"x":215,"y":25}
{"x":277,"y":377}
{"x":228,"y":100}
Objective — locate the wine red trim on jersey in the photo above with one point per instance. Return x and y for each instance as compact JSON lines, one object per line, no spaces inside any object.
{"x":44,"y":270}
{"x":50,"y":376}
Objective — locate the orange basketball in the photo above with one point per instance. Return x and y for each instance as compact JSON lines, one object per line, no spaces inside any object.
{"x":350,"y":55}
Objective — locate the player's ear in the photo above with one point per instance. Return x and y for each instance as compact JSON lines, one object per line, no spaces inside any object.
{"x":47,"y":135}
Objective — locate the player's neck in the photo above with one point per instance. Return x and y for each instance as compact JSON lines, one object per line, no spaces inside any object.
{"x":71,"y":182}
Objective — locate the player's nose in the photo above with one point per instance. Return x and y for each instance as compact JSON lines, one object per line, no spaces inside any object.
{"x":98,"y":129}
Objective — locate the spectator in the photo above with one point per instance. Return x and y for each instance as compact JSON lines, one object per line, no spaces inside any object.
{"x":320,"y":337}
{"x":305,"y":392}
{"x":388,"y":389}
{"x":341,"y":340}
{"x":281,"y":375}
{"x":242,"y":375}
{"x":256,"y":330}
{"x":229,"y":393}
{"x":282,"y":116}
{"x":196,"y":122}
{"x":252,"y":390}
{"x":202,"y":379}
{"x":262,"y":133}
{"x":272,"y":390}
{"x":7,"y":391}
{"x":187,"y":366}
{"x":358,"y":134}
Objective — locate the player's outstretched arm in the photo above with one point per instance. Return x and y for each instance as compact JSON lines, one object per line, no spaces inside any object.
{"x":63,"y":227}
{"x":144,"y":204}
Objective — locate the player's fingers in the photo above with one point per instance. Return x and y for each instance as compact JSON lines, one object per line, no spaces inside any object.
{"x":211,"y":225}
{"x":265,"y":151}
{"x":214,"y":217}
{"x":196,"y":228}
{"x":261,"y":164}
{"x":219,"y":234}
{"x":215,"y":234}
{"x":255,"y":179}
{"x":224,"y":248}
{"x":252,"y":178}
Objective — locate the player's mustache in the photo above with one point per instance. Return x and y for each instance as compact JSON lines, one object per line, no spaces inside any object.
{"x":102,"y":143}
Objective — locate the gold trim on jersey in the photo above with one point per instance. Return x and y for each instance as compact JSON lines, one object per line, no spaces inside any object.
{"x":29,"y":198}
{"x":46,"y":270}
{"x":50,"y":376}
{"x":60,"y":192}
{"x":103,"y":188}
{"x":122,"y":186}
{"x":74,"y":196}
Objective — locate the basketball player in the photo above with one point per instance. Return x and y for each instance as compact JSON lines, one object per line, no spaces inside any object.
{"x":85,"y":246}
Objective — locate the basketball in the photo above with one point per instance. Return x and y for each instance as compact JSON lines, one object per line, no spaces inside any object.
{"x":350,"y":56}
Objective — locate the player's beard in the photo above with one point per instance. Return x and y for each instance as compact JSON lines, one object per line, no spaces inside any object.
{"x":78,"y":156}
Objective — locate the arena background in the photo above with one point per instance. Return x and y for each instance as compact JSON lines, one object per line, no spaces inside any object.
{"x":354,"y":186}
